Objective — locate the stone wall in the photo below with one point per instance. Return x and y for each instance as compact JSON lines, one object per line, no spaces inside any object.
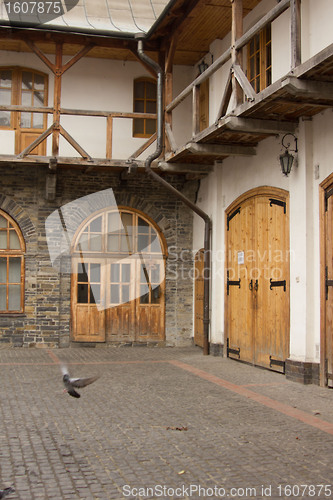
{"x":46,"y":318}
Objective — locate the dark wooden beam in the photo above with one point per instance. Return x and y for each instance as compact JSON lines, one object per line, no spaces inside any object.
{"x":219,"y":149}
{"x":295,"y":8}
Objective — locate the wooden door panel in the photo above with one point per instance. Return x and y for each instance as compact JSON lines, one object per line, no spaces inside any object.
{"x":24,"y":139}
{"x":272,"y":304}
{"x":329,"y":291}
{"x":240,"y":316}
{"x":199,"y":299}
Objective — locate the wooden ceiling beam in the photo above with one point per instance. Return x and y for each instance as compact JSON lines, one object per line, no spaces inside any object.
{"x":220,"y":149}
{"x":257,"y":126}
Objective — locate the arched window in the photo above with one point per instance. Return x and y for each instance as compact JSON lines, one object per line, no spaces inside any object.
{"x":12,"y":249}
{"x":144,"y":102}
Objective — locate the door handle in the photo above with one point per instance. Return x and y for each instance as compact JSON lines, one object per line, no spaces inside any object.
{"x":256,"y":285}
{"x":251,"y":285}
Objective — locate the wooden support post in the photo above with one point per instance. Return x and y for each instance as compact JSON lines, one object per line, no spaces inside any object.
{"x":236,"y":56}
{"x":109,"y":127}
{"x":57,"y":100}
{"x":195,"y":110}
{"x":295,"y":9}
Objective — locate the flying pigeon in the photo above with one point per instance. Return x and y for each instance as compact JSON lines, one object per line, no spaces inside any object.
{"x":6,"y":491}
{"x":70,"y":383}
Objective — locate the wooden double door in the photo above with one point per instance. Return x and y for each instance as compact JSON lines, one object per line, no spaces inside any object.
{"x":118,"y":279}
{"x":257,"y":278}
{"x":118,"y":301}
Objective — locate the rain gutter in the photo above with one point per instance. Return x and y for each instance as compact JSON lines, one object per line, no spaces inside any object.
{"x":174,"y":191}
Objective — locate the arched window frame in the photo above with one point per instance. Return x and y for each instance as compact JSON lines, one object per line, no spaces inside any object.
{"x":86,"y":228}
{"x":144,"y":104}
{"x":8,"y":281}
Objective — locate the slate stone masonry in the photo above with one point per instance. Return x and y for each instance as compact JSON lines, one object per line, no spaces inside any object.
{"x":46,"y":318}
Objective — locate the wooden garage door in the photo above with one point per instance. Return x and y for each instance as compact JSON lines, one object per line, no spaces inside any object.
{"x":257,"y":288}
{"x":118,"y":268}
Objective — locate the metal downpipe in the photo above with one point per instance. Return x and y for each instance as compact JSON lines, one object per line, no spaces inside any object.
{"x":208,"y":224}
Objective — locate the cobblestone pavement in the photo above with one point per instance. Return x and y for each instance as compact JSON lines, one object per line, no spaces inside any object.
{"x":160,"y":423}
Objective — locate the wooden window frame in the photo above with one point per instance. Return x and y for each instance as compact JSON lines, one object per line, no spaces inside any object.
{"x":145,"y":134}
{"x":264,"y":71}
{"x":10,"y":253}
{"x":16,"y":96}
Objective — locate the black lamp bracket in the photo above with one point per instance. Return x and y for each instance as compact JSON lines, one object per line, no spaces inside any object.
{"x":287,"y":146}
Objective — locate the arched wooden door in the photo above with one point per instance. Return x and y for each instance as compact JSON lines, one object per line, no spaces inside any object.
{"x":199,"y":298}
{"x":118,"y":281}
{"x":257,"y":278}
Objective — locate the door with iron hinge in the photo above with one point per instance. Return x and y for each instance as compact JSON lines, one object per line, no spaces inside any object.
{"x":327,"y":306}
{"x":199,"y":299}
{"x":257,"y":288}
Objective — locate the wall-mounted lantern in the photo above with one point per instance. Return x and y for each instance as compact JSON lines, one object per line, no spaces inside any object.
{"x":287,"y":159}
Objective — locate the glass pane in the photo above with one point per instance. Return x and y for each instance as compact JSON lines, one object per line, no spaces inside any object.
{"x":138,"y":126}
{"x":82,"y":275}
{"x":113,"y":222}
{"x":155,"y":274}
{"x":155,"y":244}
{"x":5,"y":96}
{"x":151,"y":106}
{"x":139,"y":107}
{"x":143,"y":226}
{"x":126,"y":220}
{"x":150,"y":126}
{"x":144,"y":294}
{"x":95,"y":242}
{"x":83,"y":241}
{"x":4,"y":118}
{"x":14,"y":242}
{"x":143,"y":242}
{"x":155,"y":295}
{"x":95,"y":273}
{"x":144,"y":276}
{"x":115,"y":294}
{"x":37,"y":119}
{"x":125,"y":243}
{"x":139,"y":89}
{"x":96,"y":225}
{"x":26,"y":80}
{"x":25,"y":120}
{"x":125,"y":292}
{"x":26,"y":99}
{"x":3,"y":239}
{"x":82,"y":293}
{"x":14,"y":297}
{"x":3,"y":269}
{"x":115,"y":273}
{"x":126,"y":271}
{"x":39,"y":82}
{"x":14,"y":272}
{"x":38,"y":99}
{"x":3,"y":298}
{"x":151,"y":90}
{"x":6,"y":78}
{"x":3,"y":221}
{"x":113,"y":240}
{"x":95,"y":294}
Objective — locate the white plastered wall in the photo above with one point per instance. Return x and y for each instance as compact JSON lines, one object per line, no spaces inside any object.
{"x":315,"y":162}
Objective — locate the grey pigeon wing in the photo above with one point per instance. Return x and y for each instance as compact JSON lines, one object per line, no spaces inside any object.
{"x":72,"y":392}
{"x":82,"y":382}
